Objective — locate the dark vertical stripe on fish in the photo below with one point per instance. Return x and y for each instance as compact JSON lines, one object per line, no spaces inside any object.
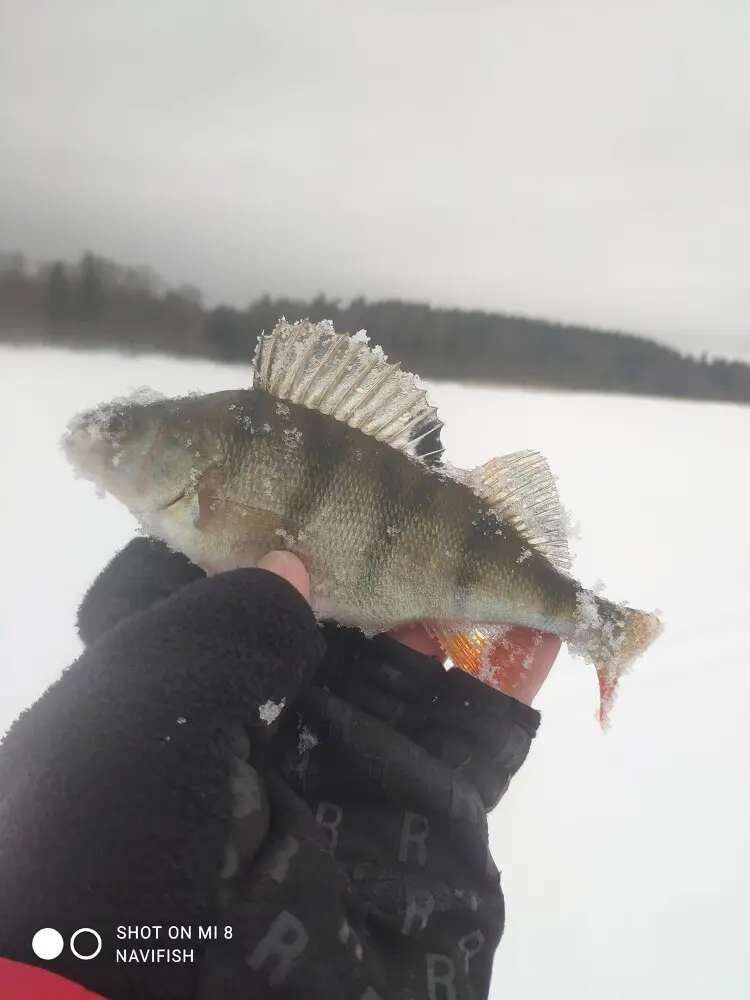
{"x":377,"y":553}
{"x":307,"y":499}
{"x":476,"y":543}
{"x":411,"y":497}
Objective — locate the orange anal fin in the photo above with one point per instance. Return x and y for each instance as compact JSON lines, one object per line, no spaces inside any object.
{"x":511,"y":659}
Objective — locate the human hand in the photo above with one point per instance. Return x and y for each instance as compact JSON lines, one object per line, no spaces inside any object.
{"x":136,"y":758}
{"x":528,"y":655}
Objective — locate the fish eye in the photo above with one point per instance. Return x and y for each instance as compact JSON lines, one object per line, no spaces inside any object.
{"x":117,"y":424}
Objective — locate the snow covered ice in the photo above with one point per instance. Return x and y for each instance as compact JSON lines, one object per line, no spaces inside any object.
{"x":625,"y":856}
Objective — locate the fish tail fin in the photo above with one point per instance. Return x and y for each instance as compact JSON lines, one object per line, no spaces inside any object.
{"x":612,"y":637}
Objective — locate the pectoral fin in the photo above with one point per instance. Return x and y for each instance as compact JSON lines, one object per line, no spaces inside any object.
{"x":212,"y":510}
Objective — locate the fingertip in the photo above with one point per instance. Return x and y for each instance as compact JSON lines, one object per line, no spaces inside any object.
{"x":290,"y":568}
{"x":528,"y":656}
{"x":417,"y":637}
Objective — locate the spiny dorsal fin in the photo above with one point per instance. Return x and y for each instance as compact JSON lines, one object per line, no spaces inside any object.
{"x":521,"y":489}
{"x":311,"y":365}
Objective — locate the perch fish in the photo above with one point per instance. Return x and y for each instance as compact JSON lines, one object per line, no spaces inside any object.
{"x":320,"y":457}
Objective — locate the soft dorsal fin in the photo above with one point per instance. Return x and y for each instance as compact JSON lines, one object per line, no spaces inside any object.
{"x":311,"y":365}
{"x":521,"y":489}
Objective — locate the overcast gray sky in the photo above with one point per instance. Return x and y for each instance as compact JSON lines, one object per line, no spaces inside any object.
{"x":585,"y":160}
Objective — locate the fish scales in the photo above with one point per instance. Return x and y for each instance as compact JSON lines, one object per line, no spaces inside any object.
{"x":320,"y":457}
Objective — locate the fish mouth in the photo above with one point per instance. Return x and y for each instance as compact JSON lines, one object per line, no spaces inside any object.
{"x":87,"y":454}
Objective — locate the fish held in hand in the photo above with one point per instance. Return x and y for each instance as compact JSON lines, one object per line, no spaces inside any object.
{"x":320,"y":457}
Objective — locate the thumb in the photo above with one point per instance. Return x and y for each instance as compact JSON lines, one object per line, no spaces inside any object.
{"x":290,"y":568}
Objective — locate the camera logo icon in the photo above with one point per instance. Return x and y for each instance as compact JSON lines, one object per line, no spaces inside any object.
{"x":49,"y":944}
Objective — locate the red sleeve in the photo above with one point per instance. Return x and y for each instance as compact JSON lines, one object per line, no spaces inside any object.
{"x":26,"y":982}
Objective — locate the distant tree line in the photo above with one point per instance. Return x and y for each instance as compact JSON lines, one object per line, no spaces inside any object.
{"x":95,"y":302}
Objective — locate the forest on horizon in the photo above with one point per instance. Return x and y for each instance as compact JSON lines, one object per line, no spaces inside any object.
{"x":97,"y":303}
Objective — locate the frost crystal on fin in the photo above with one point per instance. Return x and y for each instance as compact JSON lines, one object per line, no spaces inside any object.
{"x":341,"y":376}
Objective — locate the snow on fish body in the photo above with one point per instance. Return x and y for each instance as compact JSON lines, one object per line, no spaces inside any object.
{"x":319,"y":458}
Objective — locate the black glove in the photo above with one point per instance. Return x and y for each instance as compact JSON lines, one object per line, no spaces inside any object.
{"x":350,"y":860}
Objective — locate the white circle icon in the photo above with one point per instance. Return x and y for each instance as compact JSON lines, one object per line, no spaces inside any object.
{"x":47,"y":943}
{"x":78,"y":954}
